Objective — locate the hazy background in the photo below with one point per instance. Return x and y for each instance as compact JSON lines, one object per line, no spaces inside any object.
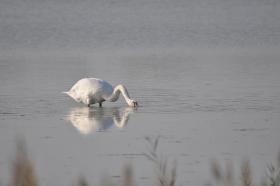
{"x":109,"y":25}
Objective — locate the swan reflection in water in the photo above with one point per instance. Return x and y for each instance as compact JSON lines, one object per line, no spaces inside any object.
{"x":87,"y":120}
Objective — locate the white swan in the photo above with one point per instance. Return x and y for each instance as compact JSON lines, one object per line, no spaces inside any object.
{"x":93,"y":90}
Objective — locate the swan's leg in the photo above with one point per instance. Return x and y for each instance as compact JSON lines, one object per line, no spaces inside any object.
{"x":100,"y":104}
{"x":88,"y":102}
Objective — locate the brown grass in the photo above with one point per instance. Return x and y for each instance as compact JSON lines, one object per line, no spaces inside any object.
{"x":222,"y":177}
{"x":274,"y":173}
{"x":23,"y":173}
{"x":226,"y":177}
{"x":22,"y":169}
{"x":246,"y":173}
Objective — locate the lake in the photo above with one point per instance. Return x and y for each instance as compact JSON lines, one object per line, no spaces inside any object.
{"x":205,"y":76}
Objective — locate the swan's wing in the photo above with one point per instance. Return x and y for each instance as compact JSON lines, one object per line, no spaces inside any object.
{"x":80,"y":85}
{"x":79,"y":91}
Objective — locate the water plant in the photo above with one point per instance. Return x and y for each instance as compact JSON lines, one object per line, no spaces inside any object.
{"x":23,"y":173}
{"x":274,"y":173}
{"x":226,"y":177}
{"x":161,"y":164}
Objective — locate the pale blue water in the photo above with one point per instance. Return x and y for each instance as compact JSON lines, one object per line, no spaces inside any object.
{"x":205,"y":74}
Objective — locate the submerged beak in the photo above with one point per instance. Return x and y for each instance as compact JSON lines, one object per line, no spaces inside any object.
{"x":135,"y":104}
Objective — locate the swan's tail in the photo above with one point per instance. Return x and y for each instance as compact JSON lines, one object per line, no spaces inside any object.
{"x":66,"y":93}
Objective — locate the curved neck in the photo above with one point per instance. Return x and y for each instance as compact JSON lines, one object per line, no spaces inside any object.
{"x":121,"y":122}
{"x":115,"y":95}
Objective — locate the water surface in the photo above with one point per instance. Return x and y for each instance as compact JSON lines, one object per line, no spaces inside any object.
{"x":206,"y":77}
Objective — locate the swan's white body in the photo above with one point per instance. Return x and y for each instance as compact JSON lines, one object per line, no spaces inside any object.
{"x":92,"y":90}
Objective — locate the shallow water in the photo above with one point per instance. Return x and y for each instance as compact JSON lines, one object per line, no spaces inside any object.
{"x":204,"y":106}
{"x":206,"y":77}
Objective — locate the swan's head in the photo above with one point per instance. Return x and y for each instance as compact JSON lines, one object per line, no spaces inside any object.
{"x":132,"y":103}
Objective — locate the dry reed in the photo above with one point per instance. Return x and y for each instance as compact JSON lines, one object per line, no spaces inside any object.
{"x":226,"y":178}
{"x":23,"y":173}
{"x":22,"y":169}
{"x":161,"y":164}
